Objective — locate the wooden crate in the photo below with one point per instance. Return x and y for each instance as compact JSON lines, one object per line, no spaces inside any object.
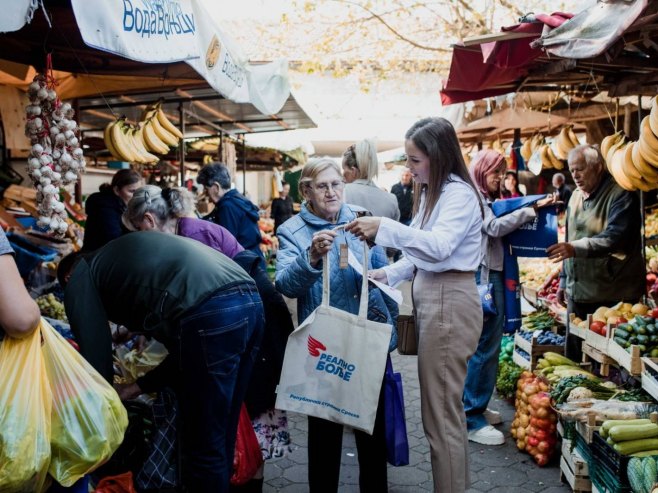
{"x":595,"y":340}
{"x":575,"y":330}
{"x":534,"y":350}
{"x":578,"y":483}
{"x":649,"y":382}
{"x":576,"y":463}
{"x":593,"y":354}
{"x":631,"y":361}
{"x":587,"y":428}
{"x":520,"y":360}
{"x":530,"y":294}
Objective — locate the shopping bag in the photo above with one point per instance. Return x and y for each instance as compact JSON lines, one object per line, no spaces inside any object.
{"x":134,"y":364}
{"x":121,"y":483}
{"x":395,"y":424}
{"x":25,"y":402}
{"x":248,"y":457}
{"x":334,"y":362}
{"x":88,"y":419}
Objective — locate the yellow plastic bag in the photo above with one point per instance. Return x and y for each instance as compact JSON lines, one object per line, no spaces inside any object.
{"x":88,"y":419}
{"x":134,"y":364}
{"x":25,"y":404}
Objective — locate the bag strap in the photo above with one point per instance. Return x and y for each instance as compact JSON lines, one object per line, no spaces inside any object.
{"x":484,"y":269}
{"x":326,"y":285}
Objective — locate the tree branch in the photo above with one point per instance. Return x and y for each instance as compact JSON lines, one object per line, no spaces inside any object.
{"x":392,"y":29}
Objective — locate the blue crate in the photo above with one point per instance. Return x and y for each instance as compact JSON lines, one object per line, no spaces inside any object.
{"x":29,"y":255}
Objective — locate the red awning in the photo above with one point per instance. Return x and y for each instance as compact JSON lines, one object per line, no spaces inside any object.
{"x":492,"y":68}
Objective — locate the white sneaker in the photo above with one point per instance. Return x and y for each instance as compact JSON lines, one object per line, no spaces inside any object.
{"x":493,"y":417}
{"x":487,"y":436}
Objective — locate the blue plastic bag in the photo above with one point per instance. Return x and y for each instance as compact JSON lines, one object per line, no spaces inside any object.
{"x":395,"y":424}
{"x":512,"y":293}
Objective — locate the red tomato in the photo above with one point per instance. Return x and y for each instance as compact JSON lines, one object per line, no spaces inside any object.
{"x":653,"y":313}
{"x":604,"y":331}
{"x":596,"y":327}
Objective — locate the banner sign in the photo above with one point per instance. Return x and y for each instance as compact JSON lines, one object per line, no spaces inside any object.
{"x":149,"y":31}
{"x":167,"y":31}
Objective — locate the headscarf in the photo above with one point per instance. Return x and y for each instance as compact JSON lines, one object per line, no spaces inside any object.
{"x":484,"y":163}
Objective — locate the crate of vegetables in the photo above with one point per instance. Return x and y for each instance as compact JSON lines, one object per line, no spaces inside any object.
{"x":597,"y":335}
{"x":650,"y":376}
{"x":536,"y":343}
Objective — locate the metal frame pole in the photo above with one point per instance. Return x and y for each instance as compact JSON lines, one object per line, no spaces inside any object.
{"x":181,"y":143}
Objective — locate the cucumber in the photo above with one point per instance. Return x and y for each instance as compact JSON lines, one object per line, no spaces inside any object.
{"x":620,"y":341}
{"x":651,"y":329}
{"x":622,"y":433}
{"x":622,"y":334}
{"x":605,"y":427}
{"x":632,"y":446}
{"x":642,"y":330}
{"x":642,"y":339}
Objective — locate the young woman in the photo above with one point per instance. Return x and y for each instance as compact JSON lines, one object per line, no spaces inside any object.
{"x":104,"y":209}
{"x":441,"y":250}
{"x":488,"y":169}
{"x":510,"y":187}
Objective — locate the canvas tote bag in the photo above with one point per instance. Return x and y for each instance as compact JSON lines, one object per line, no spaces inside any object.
{"x":334,"y":362}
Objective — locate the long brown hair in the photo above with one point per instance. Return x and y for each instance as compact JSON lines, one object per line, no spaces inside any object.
{"x":437,"y":139}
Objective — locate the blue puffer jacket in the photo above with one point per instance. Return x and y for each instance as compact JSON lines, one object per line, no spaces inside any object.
{"x":296,"y":278}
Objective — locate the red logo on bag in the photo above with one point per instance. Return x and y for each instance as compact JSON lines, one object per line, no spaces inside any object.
{"x":315,"y":346}
{"x":511,"y":284}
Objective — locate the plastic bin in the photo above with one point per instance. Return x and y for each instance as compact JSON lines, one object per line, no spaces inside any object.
{"x":29,"y":255}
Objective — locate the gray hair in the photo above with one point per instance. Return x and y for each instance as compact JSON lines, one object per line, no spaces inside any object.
{"x":164,"y":204}
{"x":312,"y":169}
{"x":559,"y":176}
{"x":591,"y":154}
{"x":215,"y":173}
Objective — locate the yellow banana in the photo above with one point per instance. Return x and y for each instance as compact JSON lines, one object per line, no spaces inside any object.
{"x":611,"y":152}
{"x":572,"y":136}
{"x":555,"y":162}
{"x":545,"y":159}
{"x":167,"y":125}
{"x":129,"y":131}
{"x":169,"y":139}
{"x":536,"y":141}
{"x":562,"y":144}
{"x":648,"y":143}
{"x":153,"y":143}
{"x":653,"y":120}
{"x":526,"y":150}
{"x":121,"y":143}
{"x":107,"y":138}
{"x":648,"y":172}
{"x":627,"y":162}
{"x":617,"y":170}
{"x":138,"y":140}
{"x":608,"y":142}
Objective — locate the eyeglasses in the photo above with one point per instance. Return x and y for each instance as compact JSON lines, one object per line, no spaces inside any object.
{"x":323,"y":188}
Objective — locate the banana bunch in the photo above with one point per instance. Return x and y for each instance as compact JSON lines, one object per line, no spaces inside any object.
{"x":548,"y":158}
{"x":565,"y":141}
{"x":497,"y":146}
{"x":634,"y":165}
{"x":140,"y":143}
{"x":531,"y":145}
{"x":126,"y":143}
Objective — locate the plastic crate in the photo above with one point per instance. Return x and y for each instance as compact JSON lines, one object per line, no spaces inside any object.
{"x":604,"y":481}
{"x":609,"y":460}
{"x":29,"y":255}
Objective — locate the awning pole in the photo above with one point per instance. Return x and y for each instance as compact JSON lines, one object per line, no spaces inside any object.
{"x":244,"y":166}
{"x":181,"y":143}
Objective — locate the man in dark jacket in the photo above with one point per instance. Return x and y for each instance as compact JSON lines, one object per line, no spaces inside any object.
{"x":207,"y":311}
{"x":562,"y":190}
{"x":404,"y":192}
{"x":232,"y":209}
{"x":282,"y":207}
{"x":602,"y":255}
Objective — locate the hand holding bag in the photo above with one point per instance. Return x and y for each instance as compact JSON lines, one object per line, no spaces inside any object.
{"x":334,"y":362}
{"x":395,"y":425}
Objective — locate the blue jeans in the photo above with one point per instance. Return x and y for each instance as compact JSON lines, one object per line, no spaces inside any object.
{"x":483,"y":365}
{"x":218,"y":343}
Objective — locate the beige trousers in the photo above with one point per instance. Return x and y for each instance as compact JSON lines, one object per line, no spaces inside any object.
{"x":449,"y":322}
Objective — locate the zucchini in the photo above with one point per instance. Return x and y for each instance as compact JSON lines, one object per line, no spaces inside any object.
{"x":620,"y":341}
{"x":642,"y":330}
{"x":645,"y":453}
{"x":632,"y":446}
{"x":642,"y":339}
{"x":622,"y":433}
{"x":651,"y":329}
{"x":621,"y":333}
{"x":605,"y":427}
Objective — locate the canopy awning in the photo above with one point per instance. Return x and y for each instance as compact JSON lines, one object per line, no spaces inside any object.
{"x":184,"y":43}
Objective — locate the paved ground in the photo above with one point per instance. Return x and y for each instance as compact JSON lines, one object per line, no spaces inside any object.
{"x":500,"y":469}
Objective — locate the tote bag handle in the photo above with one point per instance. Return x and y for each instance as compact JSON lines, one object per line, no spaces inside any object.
{"x":326,"y":285}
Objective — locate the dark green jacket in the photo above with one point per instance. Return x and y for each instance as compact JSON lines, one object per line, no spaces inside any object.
{"x":145,"y":281}
{"x":605,"y":232}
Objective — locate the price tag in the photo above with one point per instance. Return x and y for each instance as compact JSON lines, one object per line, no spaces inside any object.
{"x":344,"y":256}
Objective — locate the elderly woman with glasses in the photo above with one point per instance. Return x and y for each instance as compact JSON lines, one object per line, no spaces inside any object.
{"x":304,"y":241}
